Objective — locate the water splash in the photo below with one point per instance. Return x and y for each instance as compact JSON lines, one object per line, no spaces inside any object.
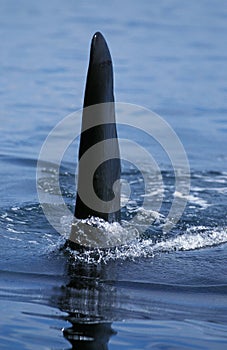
{"x":202,"y":226}
{"x":195,"y":237}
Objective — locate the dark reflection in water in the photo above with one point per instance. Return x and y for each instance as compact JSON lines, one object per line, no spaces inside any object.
{"x":88,"y":336}
{"x":88,"y":302}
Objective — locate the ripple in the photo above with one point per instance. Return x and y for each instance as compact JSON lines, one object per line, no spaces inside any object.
{"x":195,"y":237}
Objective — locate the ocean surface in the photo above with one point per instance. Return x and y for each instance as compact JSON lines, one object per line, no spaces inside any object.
{"x":163,"y":290}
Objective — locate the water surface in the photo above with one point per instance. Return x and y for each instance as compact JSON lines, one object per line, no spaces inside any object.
{"x":165,"y":291}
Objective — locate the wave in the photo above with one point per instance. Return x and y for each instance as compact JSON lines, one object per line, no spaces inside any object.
{"x":203,"y":224}
{"x":195,"y":237}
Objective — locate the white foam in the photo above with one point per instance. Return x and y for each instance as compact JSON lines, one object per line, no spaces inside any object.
{"x":98,"y":233}
{"x":195,"y":237}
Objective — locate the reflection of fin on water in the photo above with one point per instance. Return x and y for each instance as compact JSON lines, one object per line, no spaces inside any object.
{"x":89,"y":336}
{"x":88,"y":303}
{"x":99,"y":91}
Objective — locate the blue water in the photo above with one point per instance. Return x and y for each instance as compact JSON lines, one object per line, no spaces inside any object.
{"x":166,"y":291}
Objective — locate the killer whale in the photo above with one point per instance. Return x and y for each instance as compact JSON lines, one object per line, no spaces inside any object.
{"x":99,"y":105}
